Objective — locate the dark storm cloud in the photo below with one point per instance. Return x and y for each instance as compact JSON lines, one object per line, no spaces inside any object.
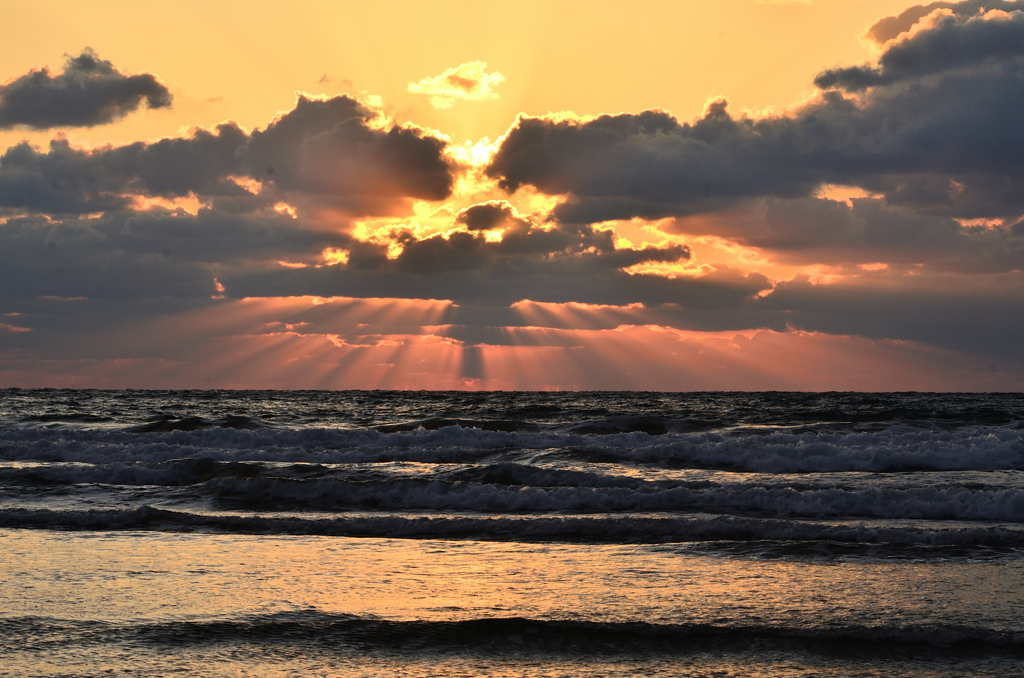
{"x":324,"y":152}
{"x":562,"y":262}
{"x":90,"y":91}
{"x":943,"y":139}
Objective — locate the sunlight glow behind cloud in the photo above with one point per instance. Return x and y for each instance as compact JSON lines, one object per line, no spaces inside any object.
{"x":863,"y":237}
{"x":465,"y":82}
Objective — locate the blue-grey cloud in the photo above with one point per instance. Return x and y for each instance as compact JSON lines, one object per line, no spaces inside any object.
{"x":891,"y":27}
{"x":556,"y":264}
{"x":979,"y":315}
{"x":68,"y":180}
{"x":327,"y":147}
{"x":651,"y":165}
{"x":953,"y":41}
{"x":930,"y":133}
{"x":126,"y":255}
{"x":90,"y":91}
{"x":938,"y":141}
{"x":324,"y":151}
{"x":869,"y":230}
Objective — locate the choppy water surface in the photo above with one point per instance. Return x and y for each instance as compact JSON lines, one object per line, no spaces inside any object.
{"x":304,"y":533}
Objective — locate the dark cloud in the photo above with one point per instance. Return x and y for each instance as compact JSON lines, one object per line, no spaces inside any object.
{"x":983,"y":315}
{"x":67,"y":180}
{"x":488,"y":215}
{"x":124,"y":255}
{"x":941,"y":140}
{"x":651,"y":165}
{"x":930,"y":132}
{"x":559,"y":264}
{"x":325,"y":153}
{"x":162,"y":253}
{"x":979,"y":315}
{"x":951,"y":42}
{"x":585,"y":281}
{"x":79,"y":328}
{"x":813,"y":231}
{"x":521,"y":246}
{"x":892,"y":27}
{"x":329,"y":148}
{"x":90,"y":91}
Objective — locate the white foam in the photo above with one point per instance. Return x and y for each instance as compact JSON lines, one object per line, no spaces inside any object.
{"x":891,"y":450}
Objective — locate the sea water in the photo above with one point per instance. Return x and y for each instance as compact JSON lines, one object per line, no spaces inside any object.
{"x":217,"y":533}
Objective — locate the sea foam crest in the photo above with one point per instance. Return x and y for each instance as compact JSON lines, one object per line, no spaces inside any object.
{"x":897,"y":449}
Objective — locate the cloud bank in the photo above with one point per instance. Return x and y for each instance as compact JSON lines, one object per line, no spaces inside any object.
{"x":880,"y":224}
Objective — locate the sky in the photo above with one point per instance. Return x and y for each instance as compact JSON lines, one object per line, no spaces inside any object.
{"x":737,"y":195}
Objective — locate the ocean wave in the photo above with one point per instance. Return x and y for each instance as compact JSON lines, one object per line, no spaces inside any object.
{"x":574,"y":529}
{"x":931,"y":503}
{"x":198,"y":470}
{"x":173,"y":473}
{"x":707,"y":411}
{"x":165,"y":423}
{"x":510,"y":634}
{"x":649,"y":424}
{"x":436,"y":423}
{"x":885,"y":451}
{"x":522,"y":489}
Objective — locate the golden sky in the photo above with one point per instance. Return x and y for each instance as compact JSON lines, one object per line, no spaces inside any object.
{"x":245,"y":60}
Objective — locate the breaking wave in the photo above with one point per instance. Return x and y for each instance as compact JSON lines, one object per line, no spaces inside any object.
{"x":892,"y":450}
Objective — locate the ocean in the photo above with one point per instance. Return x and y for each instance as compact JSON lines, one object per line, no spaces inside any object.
{"x":318,"y":533}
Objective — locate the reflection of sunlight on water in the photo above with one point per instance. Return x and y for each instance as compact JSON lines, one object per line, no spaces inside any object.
{"x":155,"y":576}
{"x":228,"y":605}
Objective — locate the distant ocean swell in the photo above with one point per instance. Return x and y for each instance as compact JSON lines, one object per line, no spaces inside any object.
{"x":341,"y":632}
{"x":498,"y":495}
{"x":581,"y":529}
